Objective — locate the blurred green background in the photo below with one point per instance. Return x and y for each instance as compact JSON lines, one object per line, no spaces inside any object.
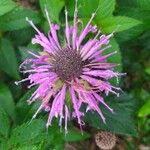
{"x":130,"y":19}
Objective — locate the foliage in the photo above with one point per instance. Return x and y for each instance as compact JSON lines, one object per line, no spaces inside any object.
{"x":129,"y":19}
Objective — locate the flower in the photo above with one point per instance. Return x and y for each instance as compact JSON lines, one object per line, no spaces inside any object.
{"x":76,"y":68}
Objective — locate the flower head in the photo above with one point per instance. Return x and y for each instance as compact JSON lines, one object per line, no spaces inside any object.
{"x":77,"y":68}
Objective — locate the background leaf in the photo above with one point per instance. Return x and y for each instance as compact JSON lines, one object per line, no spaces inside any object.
{"x":6,"y":6}
{"x":54,"y":8}
{"x":145,"y":109}
{"x":121,"y":121}
{"x":75,"y":135}
{"x":27,"y":133}
{"x":4,"y":124}
{"x":118,"y":23}
{"x":16,"y":19}
{"x":8,"y":61}
{"x":7,"y":102}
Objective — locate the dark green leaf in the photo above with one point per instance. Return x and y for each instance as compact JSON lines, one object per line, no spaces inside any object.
{"x":16,"y":19}
{"x":8,"y":61}
{"x":54,"y":8}
{"x":27,"y":133}
{"x":75,"y":135}
{"x":6,"y":101}
{"x":142,"y":4}
{"x":117,"y":24}
{"x":121,"y":121}
{"x":27,"y":147}
{"x":4,"y":123}
{"x":116,"y":58}
{"x":25,"y":111}
{"x":104,"y":8}
{"x":6,"y":6}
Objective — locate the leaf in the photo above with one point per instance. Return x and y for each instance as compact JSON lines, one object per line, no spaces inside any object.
{"x":22,"y":36}
{"x":104,"y":8}
{"x":27,"y":147}
{"x":6,"y":6}
{"x":116,"y":58}
{"x":145,"y":109}
{"x":121,"y":121}
{"x":134,"y":9}
{"x":55,"y":138}
{"x":27,"y":133}
{"x":16,"y":19}
{"x":54,"y":8}
{"x":6,"y":101}
{"x":8,"y":61}
{"x":147,"y":70}
{"x":117,"y":24}
{"x":23,"y":109}
{"x":4,"y":123}
{"x":74,"y":135}
{"x":142,"y":4}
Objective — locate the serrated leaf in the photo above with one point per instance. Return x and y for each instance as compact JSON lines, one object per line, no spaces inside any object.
{"x":27,"y":133}
{"x":75,"y":135}
{"x":117,"y":24}
{"x":54,"y":8}
{"x":116,"y":58}
{"x":8,"y":61}
{"x":6,"y":101}
{"x":121,"y":121}
{"x":16,"y":19}
{"x":142,"y":4}
{"x":145,"y":109}
{"x":6,"y":6}
{"x":4,"y":123}
{"x":25,"y":111}
{"x":104,"y":8}
{"x":27,"y":147}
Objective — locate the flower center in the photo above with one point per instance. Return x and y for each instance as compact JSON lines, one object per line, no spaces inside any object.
{"x":68,"y":64}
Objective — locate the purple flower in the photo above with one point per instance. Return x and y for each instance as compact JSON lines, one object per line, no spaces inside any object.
{"x":76,"y":68}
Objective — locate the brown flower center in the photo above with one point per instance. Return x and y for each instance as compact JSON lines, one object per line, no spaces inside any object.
{"x":68,"y":64}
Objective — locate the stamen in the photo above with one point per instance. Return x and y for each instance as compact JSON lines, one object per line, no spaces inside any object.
{"x":32,"y":24}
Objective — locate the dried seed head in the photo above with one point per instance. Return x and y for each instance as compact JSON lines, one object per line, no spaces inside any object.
{"x":105,"y":140}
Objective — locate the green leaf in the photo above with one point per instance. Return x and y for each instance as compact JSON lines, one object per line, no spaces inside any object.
{"x":28,"y":147}
{"x":6,"y":6}
{"x":145,"y":109}
{"x":142,"y":4}
{"x":55,"y":138}
{"x":16,"y":19}
{"x":104,"y":8}
{"x":121,"y":121}
{"x":8,"y":61}
{"x":22,"y":36}
{"x":27,"y":133}
{"x":117,"y":24}
{"x":4,"y":123}
{"x":116,"y":58}
{"x":6,"y":101}
{"x":54,"y":8}
{"x":147,"y":70}
{"x":75,"y":135}
{"x":23,"y":109}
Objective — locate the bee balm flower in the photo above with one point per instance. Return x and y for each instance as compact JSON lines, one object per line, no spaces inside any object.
{"x":78,"y":69}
